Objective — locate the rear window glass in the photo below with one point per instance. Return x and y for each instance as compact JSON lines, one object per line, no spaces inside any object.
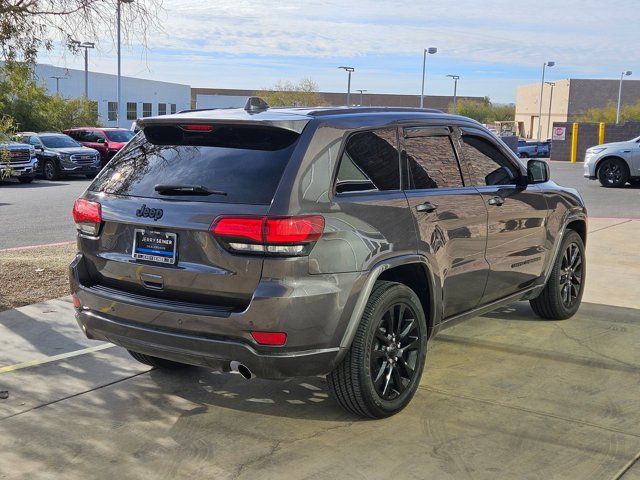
{"x":244,"y":162}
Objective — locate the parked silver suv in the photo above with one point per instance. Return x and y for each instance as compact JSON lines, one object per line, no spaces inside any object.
{"x":614,"y":164}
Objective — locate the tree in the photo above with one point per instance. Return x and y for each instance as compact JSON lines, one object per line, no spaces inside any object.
{"x":484,"y":111}
{"x":28,"y":25}
{"x":31,"y":108}
{"x":286,"y":93}
{"x":628,"y":113}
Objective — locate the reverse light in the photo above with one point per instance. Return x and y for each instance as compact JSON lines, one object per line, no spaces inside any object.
{"x":271,"y":235}
{"x":270,"y":338}
{"x":88,"y":216}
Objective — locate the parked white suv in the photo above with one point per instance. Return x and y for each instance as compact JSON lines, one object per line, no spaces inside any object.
{"x":614,"y":164}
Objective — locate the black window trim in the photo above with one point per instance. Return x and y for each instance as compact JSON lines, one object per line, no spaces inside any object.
{"x":476,"y":132}
{"x":336,"y":169}
{"x":432,"y":131}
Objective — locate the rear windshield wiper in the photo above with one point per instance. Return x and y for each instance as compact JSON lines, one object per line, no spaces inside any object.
{"x":186,"y":190}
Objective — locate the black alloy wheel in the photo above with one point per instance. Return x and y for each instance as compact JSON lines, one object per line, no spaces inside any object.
{"x":570,"y":275}
{"x":381,"y":371}
{"x":613,"y":173}
{"x":395,"y":351}
{"x":561,"y":297}
{"x":50,"y":171}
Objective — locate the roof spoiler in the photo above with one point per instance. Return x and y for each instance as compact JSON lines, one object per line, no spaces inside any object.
{"x":255,"y":104}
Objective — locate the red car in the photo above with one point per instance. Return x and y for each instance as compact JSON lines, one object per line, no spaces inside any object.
{"x":107,"y":141}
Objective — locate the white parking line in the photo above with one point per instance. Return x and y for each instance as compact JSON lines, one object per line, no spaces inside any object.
{"x":54,"y":358}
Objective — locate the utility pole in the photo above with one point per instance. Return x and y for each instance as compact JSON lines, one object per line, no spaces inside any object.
{"x":544,"y":66}
{"x":58,"y":78}
{"x":361,"y":92}
{"x":86,"y":46}
{"x":455,"y":92}
{"x":551,"y":84}
{"x":624,"y":74}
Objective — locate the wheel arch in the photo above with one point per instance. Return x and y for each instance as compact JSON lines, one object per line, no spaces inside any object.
{"x":414,"y":271}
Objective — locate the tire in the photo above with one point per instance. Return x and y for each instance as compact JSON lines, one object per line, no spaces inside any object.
{"x":397,"y":370}
{"x":25,"y":179}
{"x":50,"y":171}
{"x":567,"y":277}
{"x":158,"y":362}
{"x":613,"y":173}
{"x":634,"y":181}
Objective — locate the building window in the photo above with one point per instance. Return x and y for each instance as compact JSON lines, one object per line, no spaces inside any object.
{"x":146,"y":109}
{"x":162,"y":109}
{"x":132,"y":110}
{"x":173,"y":108}
{"x":112,"y":111}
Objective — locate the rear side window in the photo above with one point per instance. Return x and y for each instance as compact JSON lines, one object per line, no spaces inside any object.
{"x":488,"y":165}
{"x":431,"y":162}
{"x":369,"y":162}
{"x":245,"y":162}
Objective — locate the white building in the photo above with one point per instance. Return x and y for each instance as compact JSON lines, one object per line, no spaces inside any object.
{"x":140,"y":97}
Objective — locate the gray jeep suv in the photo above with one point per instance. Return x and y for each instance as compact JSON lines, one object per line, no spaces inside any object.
{"x":303,"y":241}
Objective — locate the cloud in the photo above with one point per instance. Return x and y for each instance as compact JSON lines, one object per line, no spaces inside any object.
{"x":253,"y":42}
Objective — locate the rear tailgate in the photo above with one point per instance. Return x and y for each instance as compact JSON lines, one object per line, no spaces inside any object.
{"x":240,"y":166}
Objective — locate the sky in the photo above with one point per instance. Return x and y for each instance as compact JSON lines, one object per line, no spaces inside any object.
{"x":494,"y":45}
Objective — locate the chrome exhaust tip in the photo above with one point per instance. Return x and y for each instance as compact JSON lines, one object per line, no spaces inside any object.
{"x":241,"y":369}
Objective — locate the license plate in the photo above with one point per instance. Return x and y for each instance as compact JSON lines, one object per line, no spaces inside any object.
{"x":155,"y":246}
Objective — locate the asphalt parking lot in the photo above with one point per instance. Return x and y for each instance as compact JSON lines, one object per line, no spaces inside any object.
{"x":504,"y":396}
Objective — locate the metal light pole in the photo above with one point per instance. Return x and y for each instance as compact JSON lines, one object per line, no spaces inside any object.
{"x":430,"y":51}
{"x":349,"y":70}
{"x":119,"y":88}
{"x":361,"y":92}
{"x":544,"y":66}
{"x":58,"y":78}
{"x":624,"y":74}
{"x":86,"y":46}
{"x":551,"y":84}
{"x":455,"y":91}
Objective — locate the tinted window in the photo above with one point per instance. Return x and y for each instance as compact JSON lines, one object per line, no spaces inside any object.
{"x":488,"y":165}
{"x":58,"y":141}
{"x":120,"y":136}
{"x":431,"y":162}
{"x":245,"y":162}
{"x":369,"y":162}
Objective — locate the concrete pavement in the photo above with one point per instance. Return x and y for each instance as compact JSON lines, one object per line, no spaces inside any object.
{"x":504,"y":396}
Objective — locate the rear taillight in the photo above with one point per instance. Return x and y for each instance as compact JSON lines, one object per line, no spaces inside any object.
{"x":270,"y":235}
{"x":88,"y":216}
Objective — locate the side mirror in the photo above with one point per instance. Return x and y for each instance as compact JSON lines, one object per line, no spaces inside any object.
{"x":538,"y":171}
{"x":40,"y":148}
{"x":100,"y":140}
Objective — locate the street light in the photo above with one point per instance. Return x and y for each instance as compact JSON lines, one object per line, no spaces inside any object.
{"x":430,"y":51}
{"x":86,"y":46}
{"x":58,"y":78}
{"x":455,"y":91}
{"x":544,"y":65}
{"x":361,"y":92}
{"x":119,"y":109}
{"x":624,"y":74}
{"x":551,"y":84}
{"x":349,"y":70}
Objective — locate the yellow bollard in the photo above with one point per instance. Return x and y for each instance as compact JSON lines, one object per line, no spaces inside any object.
{"x":574,"y":143}
{"x":601,"y":133}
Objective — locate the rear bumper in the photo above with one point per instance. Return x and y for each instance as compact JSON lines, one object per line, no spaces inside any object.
{"x":216,"y":353}
{"x":314,"y":315}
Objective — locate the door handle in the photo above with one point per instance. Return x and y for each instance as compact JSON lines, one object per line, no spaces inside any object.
{"x":497,"y":201}
{"x":426,"y":207}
